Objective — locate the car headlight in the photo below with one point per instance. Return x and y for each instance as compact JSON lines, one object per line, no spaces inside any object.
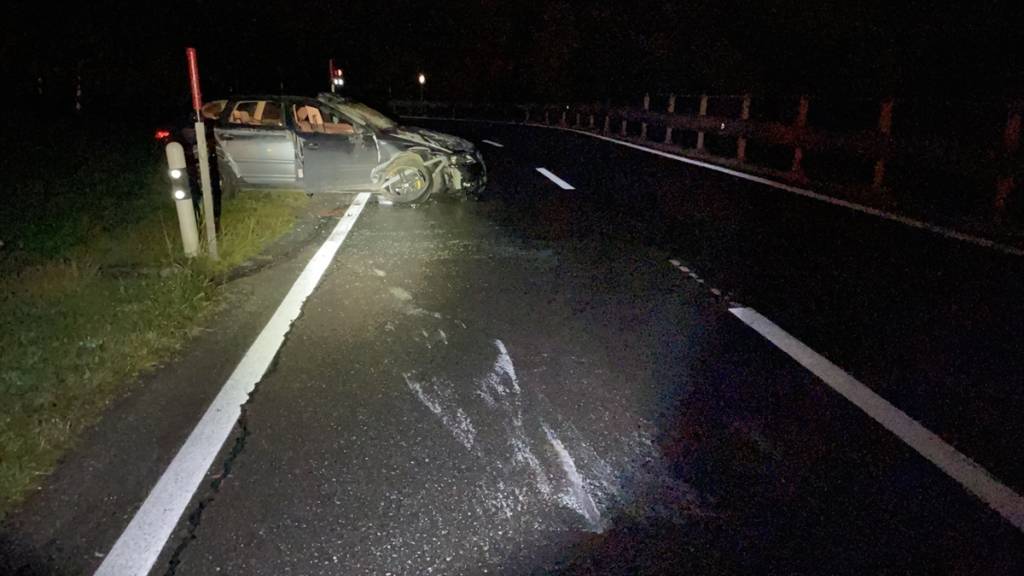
{"x":463,"y":159}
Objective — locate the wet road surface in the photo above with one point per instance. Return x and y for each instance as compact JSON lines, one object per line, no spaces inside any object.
{"x":528,"y":385}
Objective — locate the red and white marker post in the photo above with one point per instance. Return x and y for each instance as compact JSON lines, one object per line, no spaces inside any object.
{"x":204,"y":157}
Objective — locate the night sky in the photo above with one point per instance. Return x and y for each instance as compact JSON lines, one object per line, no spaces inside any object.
{"x":501,"y":50}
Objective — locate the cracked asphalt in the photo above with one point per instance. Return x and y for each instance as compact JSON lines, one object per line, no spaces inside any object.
{"x":526,"y":385}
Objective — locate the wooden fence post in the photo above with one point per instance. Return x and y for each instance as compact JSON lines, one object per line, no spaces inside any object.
{"x":1011,"y":135}
{"x":577,"y":119}
{"x":590,"y":122}
{"x":1011,"y":145}
{"x":547,"y":117}
{"x":702,"y":111}
{"x":741,"y":142}
{"x":800,"y":124}
{"x":885,"y":128}
{"x":563,"y":121}
{"x":671,"y":110}
{"x":607,"y":124}
{"x":622,"y":129}
{"x":526,"y":119}
{"x":643,"y":125}
{"x":801,"y":112}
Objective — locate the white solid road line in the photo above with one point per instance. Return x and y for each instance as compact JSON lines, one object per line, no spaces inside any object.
{"x":558,"y":181}
{"x":912,"y":222}
{"x":493,"y":143}
{"x":138,"y":547}
{"x":970,"y":475}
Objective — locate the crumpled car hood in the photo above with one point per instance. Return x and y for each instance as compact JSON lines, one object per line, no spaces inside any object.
{"x":446,"y":142}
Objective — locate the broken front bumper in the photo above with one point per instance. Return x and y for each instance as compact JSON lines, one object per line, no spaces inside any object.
{"x":466,"y":172}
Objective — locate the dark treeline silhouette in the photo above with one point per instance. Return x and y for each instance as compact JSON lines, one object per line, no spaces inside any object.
{"x":131,"y":53}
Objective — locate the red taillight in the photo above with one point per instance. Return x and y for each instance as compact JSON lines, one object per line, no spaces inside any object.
{"x":163,"y":134}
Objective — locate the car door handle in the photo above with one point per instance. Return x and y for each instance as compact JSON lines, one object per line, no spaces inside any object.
{"x":227,"y":137}
{"x":311,"y":145}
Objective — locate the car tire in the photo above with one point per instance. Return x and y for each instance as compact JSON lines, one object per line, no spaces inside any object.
{"x":228,"y":181}
{"x":414,"y":184}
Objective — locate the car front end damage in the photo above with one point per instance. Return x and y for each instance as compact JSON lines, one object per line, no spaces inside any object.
{"x":451,"y":164}
{"x":454,"y":164}
{"x":465,"y":172}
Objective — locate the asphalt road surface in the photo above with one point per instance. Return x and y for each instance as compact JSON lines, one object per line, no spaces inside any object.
{"x":555,"y":380}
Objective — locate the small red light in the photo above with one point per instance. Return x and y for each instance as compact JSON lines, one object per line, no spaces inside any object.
{"x":162,"y":134}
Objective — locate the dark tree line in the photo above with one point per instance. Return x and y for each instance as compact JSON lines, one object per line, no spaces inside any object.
{"x":526,"y":51}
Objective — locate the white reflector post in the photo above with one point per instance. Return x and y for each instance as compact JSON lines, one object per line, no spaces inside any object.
{"x":178,"y":173}
{"x":187,"y":225}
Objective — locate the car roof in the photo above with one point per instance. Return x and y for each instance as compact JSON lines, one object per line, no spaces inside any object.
{"x":337,"y":97}
{"x":238,"y":97}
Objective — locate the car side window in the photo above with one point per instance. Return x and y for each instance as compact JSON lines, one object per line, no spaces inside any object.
{"x":271,"y":115}
{"x":311,"y":119}
{"x":263,"y":113}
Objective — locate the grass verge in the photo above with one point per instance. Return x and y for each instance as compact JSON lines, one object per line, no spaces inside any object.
{"x":89,"y":301}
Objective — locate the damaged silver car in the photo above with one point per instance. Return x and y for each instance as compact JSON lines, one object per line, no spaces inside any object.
{"x":335,"y":144}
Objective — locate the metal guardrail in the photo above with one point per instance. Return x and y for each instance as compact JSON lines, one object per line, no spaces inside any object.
{"x":781,"y":145}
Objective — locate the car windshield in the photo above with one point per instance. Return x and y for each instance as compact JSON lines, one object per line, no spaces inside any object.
{"x":365,"y":114}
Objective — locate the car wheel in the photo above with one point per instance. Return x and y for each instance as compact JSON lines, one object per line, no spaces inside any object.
{"x":409,"y":181}
{"x":228,"y":181}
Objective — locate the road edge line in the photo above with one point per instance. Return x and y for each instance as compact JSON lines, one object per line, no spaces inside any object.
{"x":955,"y":464}
{"x":140,"y":544}
{"x":806,"y":193}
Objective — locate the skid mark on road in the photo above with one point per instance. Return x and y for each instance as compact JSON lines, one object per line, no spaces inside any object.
{"x":493,"y":390}
{"x":491,"y":384}
{"x":577,"y":497}
{"x":527,"y":465}
{"x":523,"y":455}
{"x":436,"y":395}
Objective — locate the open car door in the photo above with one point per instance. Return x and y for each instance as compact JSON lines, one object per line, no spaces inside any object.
{"x":254,"y":142}
{"x":338,"y":153}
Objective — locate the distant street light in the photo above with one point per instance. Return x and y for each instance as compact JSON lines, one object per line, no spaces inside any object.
{"x":422,"y":79}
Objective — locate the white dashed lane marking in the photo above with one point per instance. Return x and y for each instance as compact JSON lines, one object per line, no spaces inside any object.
{"x":493,"y":143}
{"x":558,"y":181}
{"x":693,"y":276}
